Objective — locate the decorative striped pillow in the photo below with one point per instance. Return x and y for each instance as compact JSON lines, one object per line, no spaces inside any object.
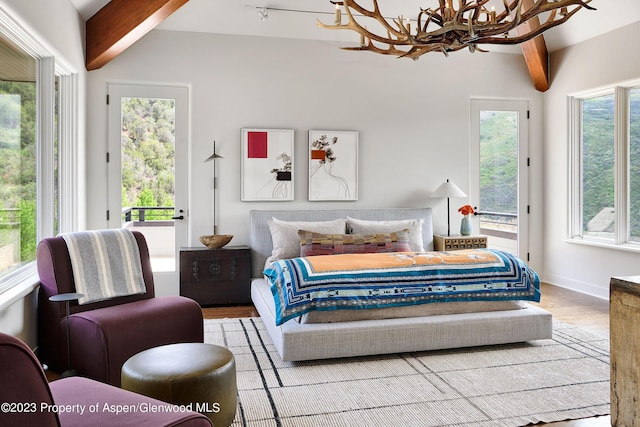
{"x":332,"y":244}
{"x":361,"y":226}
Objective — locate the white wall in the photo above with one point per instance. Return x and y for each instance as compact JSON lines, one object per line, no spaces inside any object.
{"x":56,"y":25}
{"x":412,"y":118}
{"x":592,"y":64}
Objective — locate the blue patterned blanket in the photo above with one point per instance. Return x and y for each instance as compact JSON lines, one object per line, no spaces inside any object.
{"x":361,"y":281}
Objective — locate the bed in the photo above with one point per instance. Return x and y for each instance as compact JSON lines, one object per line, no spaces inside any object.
{"x":371,"y":329}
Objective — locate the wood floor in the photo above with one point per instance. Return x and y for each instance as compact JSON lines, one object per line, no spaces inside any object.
{"x":584,"y":311}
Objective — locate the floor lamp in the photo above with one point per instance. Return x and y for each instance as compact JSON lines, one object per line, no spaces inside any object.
{"x":448,"y":190}
{"x":213,"y":158}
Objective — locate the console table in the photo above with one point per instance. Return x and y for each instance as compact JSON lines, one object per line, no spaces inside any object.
{"x":216,"y":276}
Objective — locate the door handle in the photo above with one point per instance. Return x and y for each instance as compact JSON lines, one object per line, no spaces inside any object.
{"x":181,"y":217}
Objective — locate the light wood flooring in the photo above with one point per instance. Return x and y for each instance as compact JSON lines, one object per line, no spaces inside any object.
{"x":587,"y":312}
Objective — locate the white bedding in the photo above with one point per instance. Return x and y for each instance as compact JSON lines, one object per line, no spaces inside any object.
{"x":409,"y":311}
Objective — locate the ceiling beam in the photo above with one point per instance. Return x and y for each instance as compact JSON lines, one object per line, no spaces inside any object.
{"x":535,"y":53}
{"x":120,"y":24}
{"x":537,"y":59}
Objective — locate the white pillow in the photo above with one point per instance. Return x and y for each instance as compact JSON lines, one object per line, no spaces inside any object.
{"x":361,"y":226}
{"x":284,"y":234}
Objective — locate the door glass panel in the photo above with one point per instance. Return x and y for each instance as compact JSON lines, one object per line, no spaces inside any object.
{"x":499,"y":178}
{"x":148,"y":174}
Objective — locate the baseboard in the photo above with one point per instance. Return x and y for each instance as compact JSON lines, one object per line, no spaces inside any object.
{"x":577,"y":286}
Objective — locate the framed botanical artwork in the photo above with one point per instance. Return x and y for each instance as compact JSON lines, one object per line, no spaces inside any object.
{"x":333,"y":165}
{"x":267,"y":165}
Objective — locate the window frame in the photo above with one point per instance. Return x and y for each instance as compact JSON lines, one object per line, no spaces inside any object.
{"x":621,"y":235}
{"x":23,"y":280}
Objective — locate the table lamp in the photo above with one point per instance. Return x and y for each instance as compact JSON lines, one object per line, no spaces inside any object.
{"x":448,"y":189}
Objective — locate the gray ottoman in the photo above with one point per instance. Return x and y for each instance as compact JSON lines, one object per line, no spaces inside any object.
{"x":202,"y":376}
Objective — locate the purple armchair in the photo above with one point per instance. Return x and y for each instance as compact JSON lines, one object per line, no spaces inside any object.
{"x":105,"y":334}
{"x":28,"y":398}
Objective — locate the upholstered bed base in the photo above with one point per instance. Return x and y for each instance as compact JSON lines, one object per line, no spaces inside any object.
{"x":296,"y":341}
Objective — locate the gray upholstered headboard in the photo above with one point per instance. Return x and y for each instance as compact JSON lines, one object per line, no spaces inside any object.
{"x":260,"y":238}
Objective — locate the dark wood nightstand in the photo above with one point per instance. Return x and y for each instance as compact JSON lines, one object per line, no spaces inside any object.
{"x":454,"y":243}
{"x":216,"y":276}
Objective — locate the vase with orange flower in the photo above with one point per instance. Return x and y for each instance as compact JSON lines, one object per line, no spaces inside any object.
{"x":465,"y":224}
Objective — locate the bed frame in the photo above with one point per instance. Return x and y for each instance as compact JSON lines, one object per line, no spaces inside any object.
{"x":296,"y":341}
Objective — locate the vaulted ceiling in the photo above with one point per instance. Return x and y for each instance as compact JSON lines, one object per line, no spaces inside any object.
{"x":113,"y":26}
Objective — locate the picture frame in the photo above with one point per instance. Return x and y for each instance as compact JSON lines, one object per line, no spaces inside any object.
{"x":333,"y":165}
{"x":267,"y":166}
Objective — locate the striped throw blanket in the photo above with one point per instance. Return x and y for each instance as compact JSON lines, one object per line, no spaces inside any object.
{"x":105,"y":263}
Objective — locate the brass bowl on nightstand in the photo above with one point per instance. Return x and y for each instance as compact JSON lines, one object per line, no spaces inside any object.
{"x":215,"y":241}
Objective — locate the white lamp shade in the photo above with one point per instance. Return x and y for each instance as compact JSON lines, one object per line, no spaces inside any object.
{"x":448,"y":189}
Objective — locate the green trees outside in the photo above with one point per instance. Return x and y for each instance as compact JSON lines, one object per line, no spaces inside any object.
{"x":28,"y":230}
{"x":148,"y":148}
{"x":18,"y":168}
{"x":499,"y":161}
{"x":598,"y":156}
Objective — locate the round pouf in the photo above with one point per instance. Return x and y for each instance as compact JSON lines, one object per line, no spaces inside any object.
{"x":202,"y":376}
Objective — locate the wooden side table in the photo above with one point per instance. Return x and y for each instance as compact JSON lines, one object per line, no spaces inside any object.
{"x":216,"y":276}
{"x":624,"y":315}
{"x":454,"y":243}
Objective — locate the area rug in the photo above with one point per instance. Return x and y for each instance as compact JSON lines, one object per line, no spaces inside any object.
{"x":563,"y":378}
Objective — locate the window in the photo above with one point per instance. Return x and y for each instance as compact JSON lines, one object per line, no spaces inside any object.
{"x":634,"y":164}
{"x":598,"y":166}
{"x":35,"y":128}
{"x":18,"y":156}
{"x":606,"y":166}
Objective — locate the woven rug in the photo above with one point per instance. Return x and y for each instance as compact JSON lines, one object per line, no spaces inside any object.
{"x":563,"y":378}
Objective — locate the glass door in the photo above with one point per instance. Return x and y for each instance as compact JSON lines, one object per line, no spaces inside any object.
{"x":499,"y":173}
{"x":147,"y":169}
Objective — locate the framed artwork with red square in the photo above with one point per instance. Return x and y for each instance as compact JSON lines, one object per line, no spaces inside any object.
{"x":267,"y":165}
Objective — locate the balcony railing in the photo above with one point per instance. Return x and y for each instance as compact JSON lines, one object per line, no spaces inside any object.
{"x":158,"y":228}
{"x":9,"y":240}
{"x":142,"y":216}
{"x":9,"y":218}
{"x":499,"y":224}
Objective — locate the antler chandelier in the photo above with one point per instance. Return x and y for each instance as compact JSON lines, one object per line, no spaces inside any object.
{"x":447,"y":29}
